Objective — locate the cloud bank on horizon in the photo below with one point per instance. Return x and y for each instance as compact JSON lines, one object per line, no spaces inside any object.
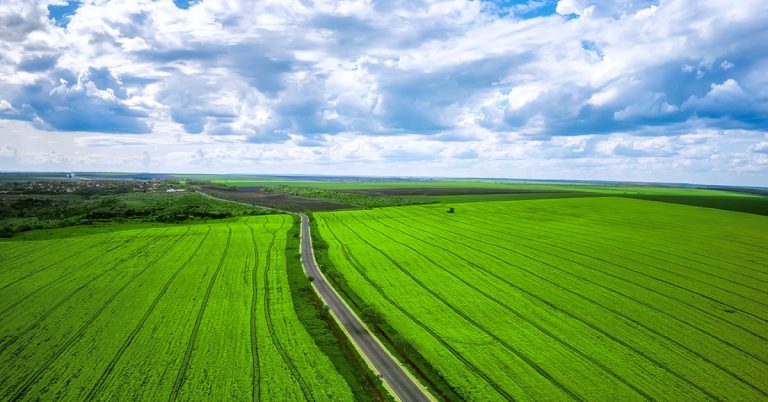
{"x":664,"y":90}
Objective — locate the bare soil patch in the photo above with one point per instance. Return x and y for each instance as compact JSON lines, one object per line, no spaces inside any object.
{"x":257,"y":196}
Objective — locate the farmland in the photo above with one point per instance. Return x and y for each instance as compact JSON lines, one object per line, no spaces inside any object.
{"x":597,"y":298}
{"x":367,"y":193}
{"x":188,"y":312}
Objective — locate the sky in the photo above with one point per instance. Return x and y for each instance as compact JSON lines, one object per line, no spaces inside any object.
{"x":641,"y":90}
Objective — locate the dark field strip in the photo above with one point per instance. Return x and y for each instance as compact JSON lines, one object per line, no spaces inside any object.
{"x":163,"y":313}
{"x":552,"y":285}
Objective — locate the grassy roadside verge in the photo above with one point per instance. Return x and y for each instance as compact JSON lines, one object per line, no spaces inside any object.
{"x":399,"y":347}
{"x":324,"y":330}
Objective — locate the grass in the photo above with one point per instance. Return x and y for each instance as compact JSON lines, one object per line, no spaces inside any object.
{"x":576,"y":298}
{"x":201,"y":311}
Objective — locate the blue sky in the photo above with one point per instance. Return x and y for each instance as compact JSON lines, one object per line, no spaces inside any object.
{"x":642,"y":90}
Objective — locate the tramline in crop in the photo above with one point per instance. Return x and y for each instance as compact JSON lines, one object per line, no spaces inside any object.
{"x":188,"y":312}
{"x":591,"y":298}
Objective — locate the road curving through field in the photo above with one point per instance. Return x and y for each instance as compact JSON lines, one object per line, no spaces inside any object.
{"x":396,"y":378}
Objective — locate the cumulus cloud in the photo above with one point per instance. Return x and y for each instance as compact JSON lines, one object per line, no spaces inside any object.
{"x":95,"y":101}
{"x":306,"y":75}
{"x":760,"y":148}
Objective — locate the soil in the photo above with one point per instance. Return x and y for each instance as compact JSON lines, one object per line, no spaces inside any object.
{"x":257,"y":196}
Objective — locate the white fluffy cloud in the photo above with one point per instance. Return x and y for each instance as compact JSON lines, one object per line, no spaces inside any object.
{"x":473,"y":88}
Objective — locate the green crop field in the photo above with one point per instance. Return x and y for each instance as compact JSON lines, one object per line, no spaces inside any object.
{"x":189,"y":312}
{"x":596,"y":298}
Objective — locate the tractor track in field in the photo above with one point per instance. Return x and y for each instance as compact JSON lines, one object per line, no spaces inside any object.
{"x":687,"y":277}
{"x":612,"y":290}
{"x":6,"y":344}
{"x":379,"y":359}
{"x":12,"y":249}
{"x":37,"y":271}
{"x":256,"y":370}
{"x":705,"y":312}
{"x":54,"y":250}
{"x":525,"y":358}
{"x":636,"y":322}
{"x":508,"y":308}
{"x":181,"y":375}
{"x":129,"y":340}
{"x":63,"y":348}
{"x":22,"y":248}
{"x":355,"y":263}
{"x":609,"y":243}
{"x":8,"y":309}
{"x":646,"y":242}
{"x":275,"y":339}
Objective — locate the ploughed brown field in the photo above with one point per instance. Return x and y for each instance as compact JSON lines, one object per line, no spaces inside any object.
{"x":257,"y":195}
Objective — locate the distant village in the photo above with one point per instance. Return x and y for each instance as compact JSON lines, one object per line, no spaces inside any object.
{"x":71,"y":183}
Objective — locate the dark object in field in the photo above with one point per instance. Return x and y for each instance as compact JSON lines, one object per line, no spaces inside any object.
{"x":450,"y":210}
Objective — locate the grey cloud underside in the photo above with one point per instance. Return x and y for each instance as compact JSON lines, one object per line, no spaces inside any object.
{"x":92,"y":101}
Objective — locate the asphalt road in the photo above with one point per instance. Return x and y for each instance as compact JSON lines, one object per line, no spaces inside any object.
{"x":391,"y":372}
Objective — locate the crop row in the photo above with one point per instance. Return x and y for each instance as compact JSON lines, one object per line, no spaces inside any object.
{"x":184,"y":312}
{"x":541,"y":300}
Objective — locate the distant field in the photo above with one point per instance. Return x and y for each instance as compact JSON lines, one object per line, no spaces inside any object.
{"x":190,"y":312}
{"x":596,"y":298}
{"x":484,"y":184}
{"x":431,"y":191}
